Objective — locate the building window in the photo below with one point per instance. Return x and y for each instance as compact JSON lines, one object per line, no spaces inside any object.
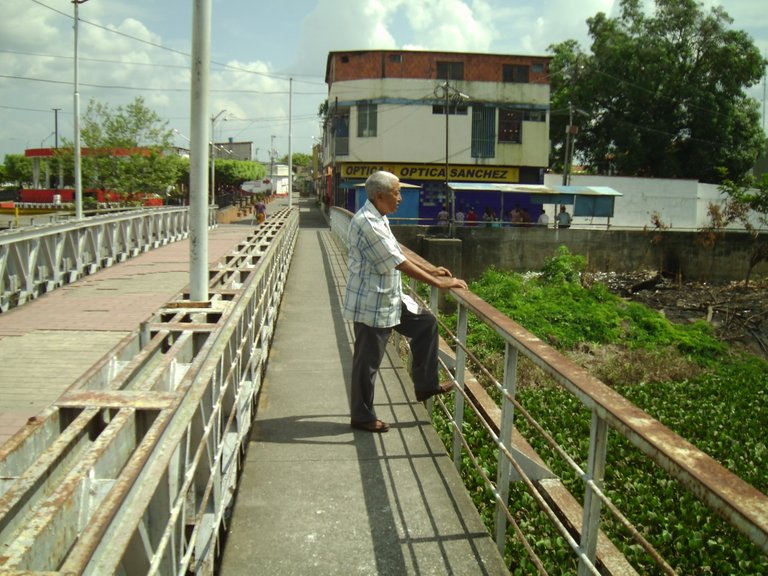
{"x":538,"y":68}
{"x":453,"y":108}
{"x":366,"y":120}
{"x":511,"y":126}
{"x":396,"y":58}
{"x":341,"y":132}
{"x":534,"y":115}
{"x":450,"y":70}
{"x":515,"y":73}
{"x":483,"y":131}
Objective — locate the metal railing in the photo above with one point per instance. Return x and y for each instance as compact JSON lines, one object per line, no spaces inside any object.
{"x":37,"y":259}
{"x":578,"y":523}
{"x":133,"y":470}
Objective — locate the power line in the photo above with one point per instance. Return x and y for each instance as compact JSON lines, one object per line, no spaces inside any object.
{"x":161,"y":89}
{"x":287,"y":76}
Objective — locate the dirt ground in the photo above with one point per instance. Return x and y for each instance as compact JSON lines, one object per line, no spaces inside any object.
{"x":738,"y":313}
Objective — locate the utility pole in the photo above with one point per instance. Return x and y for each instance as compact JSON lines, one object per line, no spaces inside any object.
{"x":290,"y":143}
{"x":198,"y":160}
{"x":78,"y":170}
{"x":56,"y":147}
{"x":567,"y":159}
{"x":272,"y":163}
{"x":56,"y":126}
{"x":213,"y":156}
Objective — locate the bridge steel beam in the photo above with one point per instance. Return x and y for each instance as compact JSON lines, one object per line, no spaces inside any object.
{"x":37,"y":259}
{"x":134,"y":469}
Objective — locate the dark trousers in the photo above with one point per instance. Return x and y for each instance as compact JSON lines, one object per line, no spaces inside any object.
{"x":370,"y":345}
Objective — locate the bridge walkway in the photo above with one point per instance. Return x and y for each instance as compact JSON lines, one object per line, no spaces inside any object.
{"x":317,"y":497}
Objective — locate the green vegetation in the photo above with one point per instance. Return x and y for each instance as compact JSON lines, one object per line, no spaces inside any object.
{"x":654,"y":89}
{"x":681,"y":375}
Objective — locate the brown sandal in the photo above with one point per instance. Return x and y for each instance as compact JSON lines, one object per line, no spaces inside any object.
{"x":377,"y":426}
{"x":445,"y":387}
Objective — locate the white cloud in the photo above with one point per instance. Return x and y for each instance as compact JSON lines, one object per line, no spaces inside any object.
{"x":38,"y":44}
{"x":452,"y":25}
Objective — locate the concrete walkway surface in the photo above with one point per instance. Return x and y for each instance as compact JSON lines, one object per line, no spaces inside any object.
{"x":319,"y":498}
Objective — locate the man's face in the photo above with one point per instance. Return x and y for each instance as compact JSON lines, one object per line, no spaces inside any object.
{"x":389,"y":202}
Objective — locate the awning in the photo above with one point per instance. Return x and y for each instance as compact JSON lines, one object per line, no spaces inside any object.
{"x":586,"y":200}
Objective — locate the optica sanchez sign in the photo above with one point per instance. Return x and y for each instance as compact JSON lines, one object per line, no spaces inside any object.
{"x":456,"y":172}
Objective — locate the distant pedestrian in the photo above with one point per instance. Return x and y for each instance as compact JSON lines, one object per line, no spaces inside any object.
{"x":459,"y":217}
{"x":489,"y":216}
{"x":443,"y":217}
{"x":543,"y":220}
{"x":261,"y":211}
{"x":563,"y":219}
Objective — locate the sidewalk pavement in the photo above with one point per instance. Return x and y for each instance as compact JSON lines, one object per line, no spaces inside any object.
{"x":50,"y":342}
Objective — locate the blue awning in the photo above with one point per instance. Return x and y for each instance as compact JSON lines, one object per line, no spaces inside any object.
{"x":586,"y":200}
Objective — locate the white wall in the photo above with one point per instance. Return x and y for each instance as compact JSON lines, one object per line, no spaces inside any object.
{"x":680,"y":204}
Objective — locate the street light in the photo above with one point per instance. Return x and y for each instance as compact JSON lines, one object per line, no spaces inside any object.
{"x":78,"y":171}
{"x":213,"y":156}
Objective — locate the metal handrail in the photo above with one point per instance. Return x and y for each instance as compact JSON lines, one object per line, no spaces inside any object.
{"x":740,"y":504}
{"x":37,"y":259}
{"x":133,"y":470}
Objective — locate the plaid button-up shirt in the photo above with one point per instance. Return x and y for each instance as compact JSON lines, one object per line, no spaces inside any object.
{"x":374,"y":293}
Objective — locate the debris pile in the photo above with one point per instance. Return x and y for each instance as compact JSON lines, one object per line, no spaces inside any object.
{"x":737,"y":312}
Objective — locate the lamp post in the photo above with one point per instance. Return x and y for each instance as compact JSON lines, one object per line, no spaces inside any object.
{"x":213,"y":156}
{"x":78,"y":171}
{"x":42,"y":142}
{"x":445,"y":91}
{"x":56,"y":146}
{"x":47,"y":162}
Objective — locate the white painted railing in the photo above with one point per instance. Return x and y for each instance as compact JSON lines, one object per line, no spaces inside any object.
{"x":37,"y":259}
{"x":133,"y":470}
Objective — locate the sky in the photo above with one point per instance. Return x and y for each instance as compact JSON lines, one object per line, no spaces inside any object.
{"x":267,"y":58}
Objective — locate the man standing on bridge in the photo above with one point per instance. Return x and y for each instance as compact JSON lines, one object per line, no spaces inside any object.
{"x":375,"y":303}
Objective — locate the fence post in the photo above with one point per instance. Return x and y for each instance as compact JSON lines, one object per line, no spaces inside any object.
{"x":598,"y":446}
{"x":461,"y":362}
{"x":505,"y":437}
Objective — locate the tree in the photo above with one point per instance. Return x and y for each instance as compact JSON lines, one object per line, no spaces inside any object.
{"x":663,"y":95}
{"x":746,"y":204}
{"x":127,"y":150}
{"x":299,"y":159}
{"x":17,"y":168}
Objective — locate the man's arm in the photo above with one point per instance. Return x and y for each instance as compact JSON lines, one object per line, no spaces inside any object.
{"x":438,"y":276}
